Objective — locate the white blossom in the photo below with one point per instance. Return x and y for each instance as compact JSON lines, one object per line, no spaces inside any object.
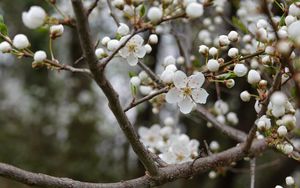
{"x":39,"y":56}
{"x":213,"y":65}
{"x":233,"y":36}
{"x":233,"y":52}
{"x":148,"y":48}
{"x":194,"y":10}
{"x":282,"y":131}
{"x":155,"y":14}
{"x":187,"y":91}
{"x":169,"y":60}
{"x":20,"y":41}
{"x":135,"y":80}
{"x":245,"y":96}
{"x":240,"y":70}
{"x":253,"y":77}
{"x":105,"y":40}
{"x":5,"y":47}
{"x":287,"y":148}
{"x":99,"y":52}
{"x":123,"y":29}
{"x":56,"y":30}
{"x":145,"y":90}
{"x":34,"y":18}
{"x":133,"y":49}
{"x":113,"y":45}
{"x":153,"y":39}
{"x":223,"y":40}
{"x":289,"y":180}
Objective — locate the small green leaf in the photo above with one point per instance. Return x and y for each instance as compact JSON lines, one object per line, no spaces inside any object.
{"x":239,"y":24}
{"x":3,"y":27}
{"x":132,"y":74}
{"x":142,"y":10}
{"x":133,"y":90}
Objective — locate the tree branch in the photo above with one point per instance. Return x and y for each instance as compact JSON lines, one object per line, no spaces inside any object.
{"x":166,"y":174}
{"x":110,"y":93}
{"x":112,"y":13}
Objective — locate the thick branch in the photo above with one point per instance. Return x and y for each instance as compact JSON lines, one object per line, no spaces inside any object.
{"x":166,"y":174}
{"x":110,"y":93}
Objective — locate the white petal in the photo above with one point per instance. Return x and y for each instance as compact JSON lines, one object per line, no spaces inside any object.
{"x":137,"y":39}
{"x":196,"y":81}
{"x":132,"y":60}
{"x":173,"y":95}
{"x":141,"y":52}
{"x":186,"y":105}
{"x":180,"y":79}
{"x":124,"y":52}
{"x":199,"y":95}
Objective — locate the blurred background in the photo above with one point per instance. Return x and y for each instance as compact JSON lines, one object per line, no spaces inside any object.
{"x":58,"y":123}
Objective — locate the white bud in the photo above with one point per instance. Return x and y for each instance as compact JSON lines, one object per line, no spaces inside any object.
{"x":145,"y":90}
{"x":105,"y":40}
{"x":278,"y":98}
{"x":167,"y":76}
{"x":135,"y":80}
{"x":39,"y":56}
{"x":261,"y":125}
{"x":229,"y":83}
{"x":180,"y":60}
{"x":143,"y":75}
{"x":282,"y":131}
{"x":214,"y":146}
{"x":203,"y":50}
{"x":233,"y":52}
{"x":262,"y":35}
{"x":56,"y":30}
{"x":289,"y":180}
{"x":213,"y":65}
{"x":112,"y":44}
{"x":293,"y":30}
{"x":148,"y":48}
{"x":5,"y":47}
{"x":169,"y":121}
{"x":284,"y":47}
{"x":169,"y":60}
{"x":223,"y":40}
{"x":287,"y":149}
{"x":34,"y":18}
{"x":289,"y":20}
{"x":123,"y":29}
{"x":262,"y":24}
{"x":294,"y":10}
{"x":212,"y":174}
{"x":221,"y":119}
{"x":155,"y":14}
{"x":240,"y":70}
{"x":253,"y":77}
{"x":245,"y":96}
{"x":20,"y":41}
{"x":194,"y":10}
{"x":153,"y":39}
{"x":213,"y":51}
{"x":99,"y":52}
{"x":278,"y":186}
{"x":232,"y":118}
{"x":233,"y":36}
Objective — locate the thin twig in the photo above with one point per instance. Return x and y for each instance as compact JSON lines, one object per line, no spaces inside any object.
{"x":151,"y":74}
{"x":112,"y":13}
{"x":252,"y":172}
{"x":92,"y":7}
{"x":146,"y":98}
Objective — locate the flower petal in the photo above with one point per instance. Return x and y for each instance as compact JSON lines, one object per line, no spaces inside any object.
{"x":173,"y":95}
{"x":179,"y":79}
{"x":186,"y":105}
{"x":141,"y":52}
{"x":137,"y":39}
{"x":124,"y":52}
{"x":196,"y":81}
{"x":132,"y":60}
{"x":199,"y":95}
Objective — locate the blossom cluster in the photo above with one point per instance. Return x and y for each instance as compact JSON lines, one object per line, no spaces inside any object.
{"x":171,"y":145}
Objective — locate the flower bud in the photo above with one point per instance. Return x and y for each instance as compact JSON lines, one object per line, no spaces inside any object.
{"x":5,"y":47}
{"x":240,"y":70}
{"x":153,"y":39}
{"x":253,"y":77}
{"x":39,"y":56}
{"x":123,"y":29}
{"x":56,"y":31}
{"x":155,"y":14}
{"x":245,"y":96}
{"x":282,"y":131}
{"x":213,"y":65}
{"x":194,"y":10}
{"x":20,"y":41}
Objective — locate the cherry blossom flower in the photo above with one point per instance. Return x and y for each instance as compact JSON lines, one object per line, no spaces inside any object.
{"x":133,"y":49}
{"x":187,"y":91}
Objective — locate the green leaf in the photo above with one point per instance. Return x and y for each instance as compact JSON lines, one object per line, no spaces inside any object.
{"x":132,"y":74}
{"x":3,"y":27}
{"x":239,"y":24}
{"x":142,"y":10}
{"x":133,"y":90}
